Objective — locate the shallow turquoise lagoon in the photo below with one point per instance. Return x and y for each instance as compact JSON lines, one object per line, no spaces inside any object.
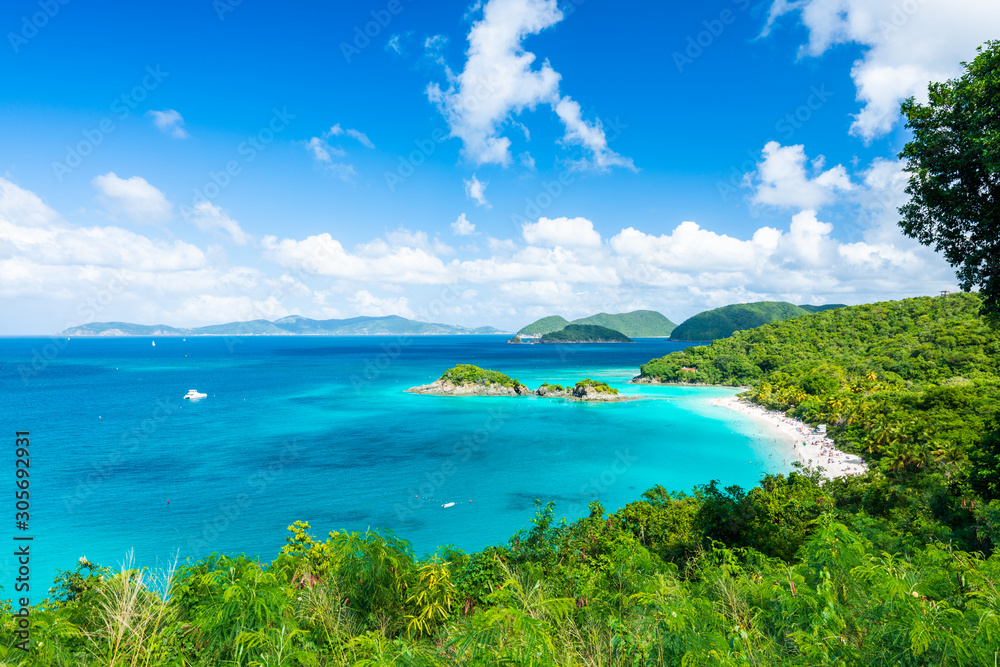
{"x":319,"y":429}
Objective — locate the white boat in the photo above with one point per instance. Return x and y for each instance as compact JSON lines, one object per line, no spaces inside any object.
{"x":154,"y":343}
{"x":194,"y":395}
{"x":447,"y":505}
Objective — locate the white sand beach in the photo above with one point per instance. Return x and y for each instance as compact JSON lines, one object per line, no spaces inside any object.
{"x":812,"y":448}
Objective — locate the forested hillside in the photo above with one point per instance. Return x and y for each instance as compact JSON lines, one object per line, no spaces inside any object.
{"x":722,"y":322}
{"x":909,"y":380}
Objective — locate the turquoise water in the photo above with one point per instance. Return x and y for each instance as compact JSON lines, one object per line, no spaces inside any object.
{"x":320,"y":430}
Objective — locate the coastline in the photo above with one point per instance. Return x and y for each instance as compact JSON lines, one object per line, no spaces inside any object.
{"x":811,"y":448}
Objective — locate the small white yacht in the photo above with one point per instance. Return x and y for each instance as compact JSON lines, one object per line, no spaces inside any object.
{"x":194,"y":395}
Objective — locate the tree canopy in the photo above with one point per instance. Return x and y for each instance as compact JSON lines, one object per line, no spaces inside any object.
{"x":954,"y":165}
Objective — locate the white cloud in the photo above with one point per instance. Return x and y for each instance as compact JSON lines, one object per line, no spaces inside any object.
{"x":783,"y":179}
{"x":462,"y":226}
{"x":324,"y":152}
{"x":476,"y":191}
{"x":133,"y":197}
{"x":907,"y":45}
{"x":397,"y":43}
{"x":208,"y":218}
{"x":500,"y":80}
{"x":361,"y":138}
{"x":568,"y":232}
{"x":434,"y":47}
{"x":169,"y":122}
{"x":377,"y":261}
{"x":319,"y":150}
{"x":556,"y":265}
{"x":373,"y":306}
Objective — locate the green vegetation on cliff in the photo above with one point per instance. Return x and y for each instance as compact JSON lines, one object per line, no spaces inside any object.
{"x":722,"y":322}
{"x":585,"y":333}
{"x":596,"y":385}
{"x":470,"y":374}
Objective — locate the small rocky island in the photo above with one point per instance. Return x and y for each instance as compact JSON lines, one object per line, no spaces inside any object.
{"x":470,"y":380}
{"x":575,"y":333}
{"x":585,"y":333}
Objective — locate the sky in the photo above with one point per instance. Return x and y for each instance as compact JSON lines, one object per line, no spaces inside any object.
{"x":472,"y":163}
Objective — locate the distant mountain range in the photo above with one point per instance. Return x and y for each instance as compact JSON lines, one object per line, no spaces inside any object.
{"x":636,"y":324}
{"x":723,"y":322}
{"x":294,"y":325}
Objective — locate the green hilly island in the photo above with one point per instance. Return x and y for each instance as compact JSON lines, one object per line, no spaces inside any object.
{"x":544,"y":326}
{"x":293,"y":325}
{"x":722,"y":322}
{"x":635,"y":324}
{"x":585,"y":333}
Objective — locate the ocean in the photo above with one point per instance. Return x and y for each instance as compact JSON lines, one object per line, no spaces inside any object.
{"x":319,"y":429}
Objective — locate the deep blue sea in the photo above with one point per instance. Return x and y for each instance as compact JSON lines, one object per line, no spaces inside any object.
{"x":319,"y":429}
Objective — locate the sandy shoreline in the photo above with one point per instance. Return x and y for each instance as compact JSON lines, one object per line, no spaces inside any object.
{"x":812,"y":449}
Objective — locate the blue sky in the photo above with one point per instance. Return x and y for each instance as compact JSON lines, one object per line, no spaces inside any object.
{"x":470,"y":163}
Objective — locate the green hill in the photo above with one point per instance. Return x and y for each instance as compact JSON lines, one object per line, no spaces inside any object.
{"x":544,"y":326}
{"x":637,"y":324}
{"x":722,"y":322}
{"x":819,"y":309}
{"x":920,"y":371}
{"x":585,"y":333}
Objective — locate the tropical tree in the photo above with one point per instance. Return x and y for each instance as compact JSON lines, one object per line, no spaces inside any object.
{"x":954,"y":165}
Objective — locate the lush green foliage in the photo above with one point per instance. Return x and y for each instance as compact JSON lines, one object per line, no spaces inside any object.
{"x":909,"y":384}
{"x":723,"y":322}
{"x":544,"y":326}
{"x":652,"y":584}
{"x":817,"y":309}
{"x":596,"y":385}
{"x":954,"y":165}
{"x":585,"y":333}
{"x":637,"y":324}
{"x":470,"y":374}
